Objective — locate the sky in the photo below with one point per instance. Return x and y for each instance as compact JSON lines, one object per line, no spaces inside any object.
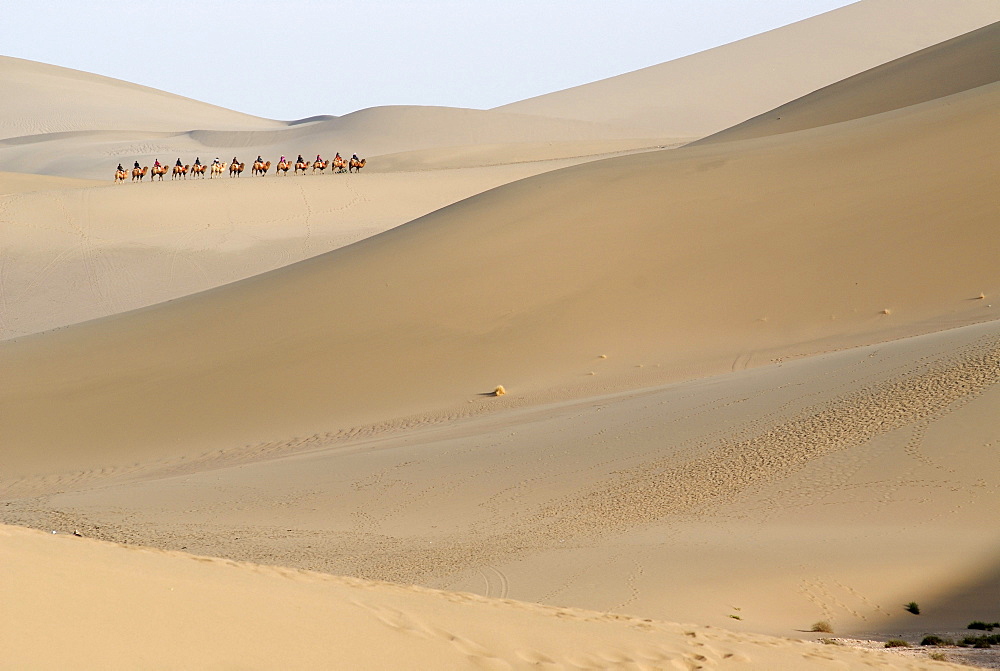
{"x":292,"y":59}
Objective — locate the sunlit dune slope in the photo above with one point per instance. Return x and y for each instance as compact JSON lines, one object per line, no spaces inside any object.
{"x":957,"y":65}
{"x":709,"y":91}
{"x":688,"y":258}
{"x":40,"y":98}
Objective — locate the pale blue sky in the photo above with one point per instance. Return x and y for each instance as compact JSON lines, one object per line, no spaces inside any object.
{"x":297,"y":58}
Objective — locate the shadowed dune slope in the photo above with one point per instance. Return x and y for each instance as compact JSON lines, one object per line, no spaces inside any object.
{"x":709,"y":91}
{"x":786,"y":245}
{"x":957,"y":65}
{"x":40,"y":98}
{"x":127,"y":607}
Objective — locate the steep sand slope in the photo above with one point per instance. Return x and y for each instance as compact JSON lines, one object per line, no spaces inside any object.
{"x":785,"y":245}
{"x":40,"y":98}
{"x":77,"y":603}
{"x":712,"y":90}
{"x":957,"y":65}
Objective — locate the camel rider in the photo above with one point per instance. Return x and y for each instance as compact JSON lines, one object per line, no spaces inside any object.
{"x":136,"y":166}
{"x":318,"y":159}
{"x":300,"y":159}
{"x":283,"y":159}
{"x":179,"y":164}
{"x":355,"y":158}
{"x":156,"y":163}
{"x":120,"y":168}
{"x":259,"y":159}
{"x":197,"y":161}
{"x":216,"y":161}
{"x":235,"y":162}
{"x":337,"y":157}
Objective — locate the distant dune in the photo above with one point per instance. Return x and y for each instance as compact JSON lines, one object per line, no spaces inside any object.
{"x":709,"y":91}
{"x":41,"y":98}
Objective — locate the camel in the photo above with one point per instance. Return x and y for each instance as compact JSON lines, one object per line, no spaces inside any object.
{"x":282,"y":168}
{"x":139,"y":173}
{"x":301,"y":165}
{"x":198,"y":169}
{"x":120,"y":175}
{"x":236,"y":169}
{"x":180,"y":170}
{"x":356,"y":164}
{"x":260,"y":168}
{"x":159,"y":172}
{"x":217,"y":169}
{"x":320,"y":165}
{"x":340,"y":165}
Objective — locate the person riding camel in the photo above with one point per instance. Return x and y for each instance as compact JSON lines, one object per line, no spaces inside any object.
{"x":259,"y":159}
{"x":197,"y":161}
{"x":120,"y":168}
{"x":216,"y":161}
{"x":136,"y":166}
{"x":156,"y":163}
{"x":235,"y":162}
{"x":300,"y":159}
{"x":179,"y":164}
{"x":318,"y":159}
{"x":283,"y":159}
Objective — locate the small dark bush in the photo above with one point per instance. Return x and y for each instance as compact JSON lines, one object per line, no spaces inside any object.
{"x":984,"y":626}
{"x":822,"y":626}
{"x":896,"y":643}
{"x":912,"y":607}
{"x":936,"y":640}
{"x":981,"y":643}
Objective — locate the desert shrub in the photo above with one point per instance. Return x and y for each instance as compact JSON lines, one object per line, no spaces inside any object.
{"x":984,"y":626}
{"x":980,"y":641}
{"x":822,"y":626}
{"x":937,"y":656}
{"x":912,"y":607}
{"x":896,"y":643}
{"x":933,"y":639}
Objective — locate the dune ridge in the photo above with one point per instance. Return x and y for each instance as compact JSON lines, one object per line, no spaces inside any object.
{"x":960,"y":64}
{"x":709,"y":91}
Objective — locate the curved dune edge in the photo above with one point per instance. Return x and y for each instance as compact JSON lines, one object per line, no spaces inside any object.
{"x":711,"y":90}
{"x":128,"y":606}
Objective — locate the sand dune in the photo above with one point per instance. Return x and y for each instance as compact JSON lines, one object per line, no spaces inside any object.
{"x":36,"y":95}
{"x":749,"y":383}
{"x":490,"y":291}
{"x":957,"y":65}
{"x":386,"y":130}
{"x":709,"y":91}
{"x":214,"y":614}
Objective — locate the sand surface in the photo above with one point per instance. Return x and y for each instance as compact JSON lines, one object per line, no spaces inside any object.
{"x":749,"y":382}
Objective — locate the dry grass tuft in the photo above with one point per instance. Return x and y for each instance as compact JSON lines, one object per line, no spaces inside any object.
{"x":499,"y":391}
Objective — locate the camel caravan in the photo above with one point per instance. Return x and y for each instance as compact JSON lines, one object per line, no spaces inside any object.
{"x":259,"y":168}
